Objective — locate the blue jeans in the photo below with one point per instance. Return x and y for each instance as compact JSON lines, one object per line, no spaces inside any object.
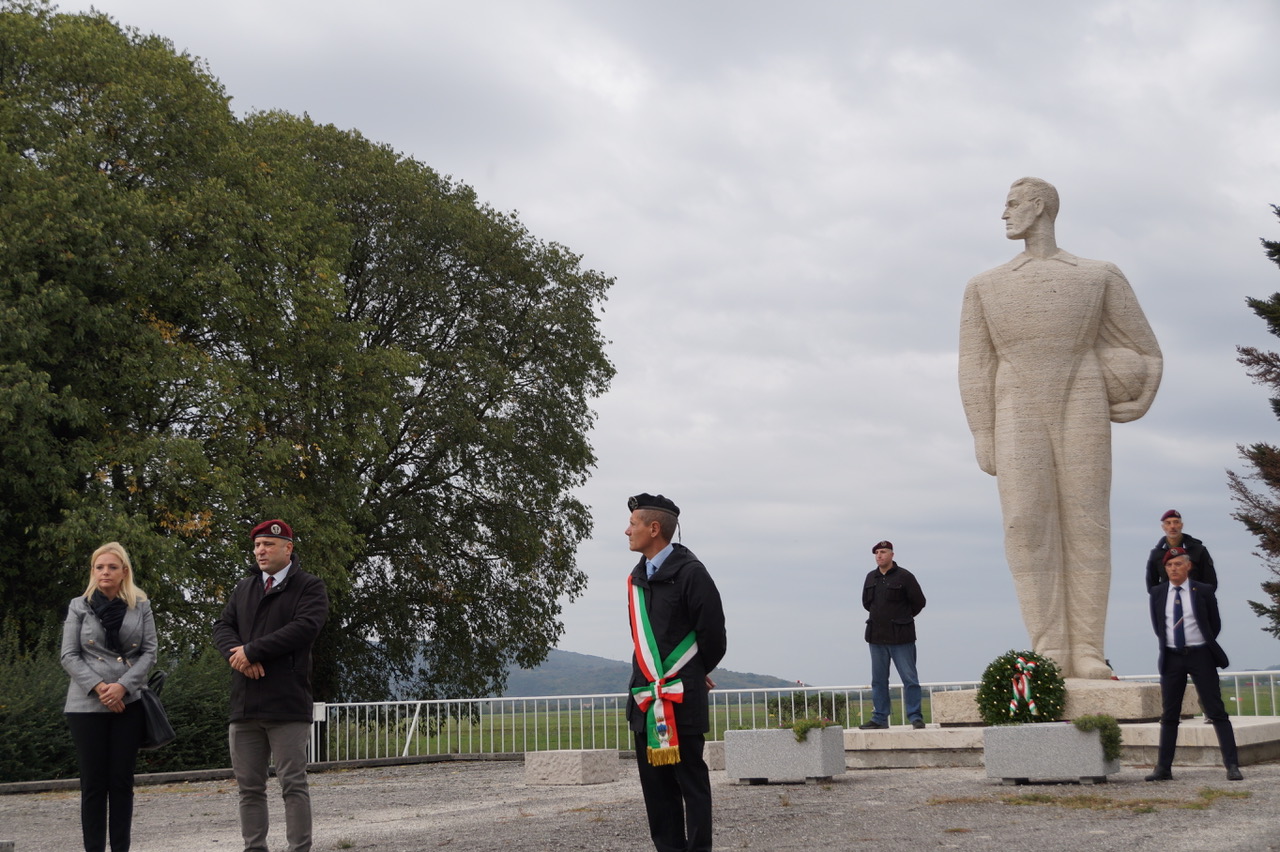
{"x":904,"y":660}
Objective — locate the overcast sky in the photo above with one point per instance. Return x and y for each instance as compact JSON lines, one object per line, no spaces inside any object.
{"x":791,"y":198}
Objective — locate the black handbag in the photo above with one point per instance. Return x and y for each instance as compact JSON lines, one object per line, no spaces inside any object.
{"x":158,"y":730}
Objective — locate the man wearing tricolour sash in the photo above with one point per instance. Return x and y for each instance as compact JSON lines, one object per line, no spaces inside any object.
{"x":678,"y":634}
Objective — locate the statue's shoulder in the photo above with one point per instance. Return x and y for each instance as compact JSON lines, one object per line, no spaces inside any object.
{"x":1090,"y":264}
{"x":996,"y":273}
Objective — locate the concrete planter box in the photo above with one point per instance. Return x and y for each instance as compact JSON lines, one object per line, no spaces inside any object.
{"x":757,"y":757}
{"x":1045,"y":751}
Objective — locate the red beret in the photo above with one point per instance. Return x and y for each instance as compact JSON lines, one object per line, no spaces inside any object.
{"x":882,"y":545}
{"x":274,"y":528}
{"x":1174,"y":553}
{"x":1172,"y":513}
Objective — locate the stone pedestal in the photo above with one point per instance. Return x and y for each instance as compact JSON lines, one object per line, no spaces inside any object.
{"x":592,"y":766}
{"x":1126,"y":701}
{"x":757,"y":757}
{"x":1045,"y":751}
{"x":713,"y":754}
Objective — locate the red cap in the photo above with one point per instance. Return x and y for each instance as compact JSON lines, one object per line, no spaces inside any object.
{"x":274,"y":528}
{"x":1174,"y":553}
{"x":1172,"y":513}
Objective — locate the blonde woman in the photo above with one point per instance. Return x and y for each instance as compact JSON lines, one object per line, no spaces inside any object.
{"x":108,"y":648}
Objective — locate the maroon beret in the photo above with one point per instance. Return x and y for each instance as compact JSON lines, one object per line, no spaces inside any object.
{"x":882,"y":545}
{"x":1172,"y":513}
{"x":274,"y":528}
{"x":1174,"y":553}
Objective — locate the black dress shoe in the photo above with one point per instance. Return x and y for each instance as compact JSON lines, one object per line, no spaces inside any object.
{"x":873,"y":726}
{"x":1161,"y":773}
{"x":918,"y":724}
{"x":1233,"y":773}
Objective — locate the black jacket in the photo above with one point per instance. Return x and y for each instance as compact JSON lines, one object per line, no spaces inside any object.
{"x":894,"y":599}
{"x":682,"y":597}
{"x":277,"y":630}
{"x":1202,"y":570}
{"x":1205,"y":605}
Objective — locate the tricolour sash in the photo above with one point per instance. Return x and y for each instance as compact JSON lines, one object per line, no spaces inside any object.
{"x":664,"y":687}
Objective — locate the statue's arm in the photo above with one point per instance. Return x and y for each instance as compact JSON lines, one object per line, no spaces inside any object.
{"x":1125,"y":326}
{"x":978,"y":377}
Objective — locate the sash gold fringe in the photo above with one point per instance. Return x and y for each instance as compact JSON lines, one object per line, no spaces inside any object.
{"x":664,"y":756}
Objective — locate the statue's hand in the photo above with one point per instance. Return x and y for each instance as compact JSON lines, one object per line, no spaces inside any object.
{"x":1123,"y":412}
{"x":984,"y":446}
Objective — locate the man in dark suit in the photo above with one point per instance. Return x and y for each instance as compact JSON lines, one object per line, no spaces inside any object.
{"x":677,"y":625}
{"x":1185,"y":616}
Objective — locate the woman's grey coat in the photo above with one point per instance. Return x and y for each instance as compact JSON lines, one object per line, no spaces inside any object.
{"x":87,"y":659}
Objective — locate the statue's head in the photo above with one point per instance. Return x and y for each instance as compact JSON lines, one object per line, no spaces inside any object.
{"x":1031,"y":200}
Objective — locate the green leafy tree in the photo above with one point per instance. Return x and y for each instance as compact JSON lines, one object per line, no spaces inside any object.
{"x":205,"y":321}
{"x":488,"y":339}
{"x":112,"y":155}
{"x":1257,"y":494}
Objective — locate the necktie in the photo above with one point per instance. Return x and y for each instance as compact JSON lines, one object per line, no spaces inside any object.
{"x":1179,"y":632}
{"x":271,"y":582}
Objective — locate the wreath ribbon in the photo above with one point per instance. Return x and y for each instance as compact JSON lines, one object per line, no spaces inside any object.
{"x":1022,"y":687}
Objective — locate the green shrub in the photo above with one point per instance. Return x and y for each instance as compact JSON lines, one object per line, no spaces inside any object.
{"x":813,"y":705}
{"x":35,"y":743}
{"x":1108,"y":731}
{"x":196,"y":696}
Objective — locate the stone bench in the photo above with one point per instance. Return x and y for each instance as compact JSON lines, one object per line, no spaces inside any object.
{"x":761,"y":756}
{"x":1045,"y":751}
{"x":591,"y":766}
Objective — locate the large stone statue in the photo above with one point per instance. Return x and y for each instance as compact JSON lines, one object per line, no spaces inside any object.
{"x":1054,"y":347}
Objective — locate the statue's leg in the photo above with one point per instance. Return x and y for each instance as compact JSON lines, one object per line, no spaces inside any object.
{"x":1086,"y":534}
{"x":1033,"y":534}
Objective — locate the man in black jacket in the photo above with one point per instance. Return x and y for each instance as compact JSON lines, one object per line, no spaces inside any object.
{"x":266,"y":632}
{"x":1202,"y":570}
{"x":893,"y":598}
{"x":1185,"y":617}
{"x":678,"y":631}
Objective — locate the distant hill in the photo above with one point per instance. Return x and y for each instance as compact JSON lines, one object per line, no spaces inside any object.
{"x":567,"y":673}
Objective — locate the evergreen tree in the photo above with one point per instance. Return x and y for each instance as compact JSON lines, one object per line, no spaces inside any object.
{"x":1257,"y":494}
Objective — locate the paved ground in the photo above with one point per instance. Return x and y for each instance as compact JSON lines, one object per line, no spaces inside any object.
{"x":487,"y":806}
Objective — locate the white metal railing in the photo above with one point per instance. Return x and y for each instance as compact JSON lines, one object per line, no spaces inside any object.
{"x":480,"y":726}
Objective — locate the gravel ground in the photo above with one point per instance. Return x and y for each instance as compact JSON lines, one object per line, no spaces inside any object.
{"x":487,"y":806}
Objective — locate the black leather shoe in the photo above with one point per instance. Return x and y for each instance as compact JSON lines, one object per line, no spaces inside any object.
{"x":1161,"y":773}
{"x":918,"y":724}
{"x":1233,"y":773}
{"x":873,"y":726}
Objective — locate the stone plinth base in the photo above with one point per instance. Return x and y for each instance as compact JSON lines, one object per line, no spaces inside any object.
{"x":593,"y":766}
{"x":901,"y":746}
{"x":713,"y":754}
{"x":758,"y":757}
{"x":1045,"y":751}
{"x":1126,"y":701}
{"x":1257,"y":740}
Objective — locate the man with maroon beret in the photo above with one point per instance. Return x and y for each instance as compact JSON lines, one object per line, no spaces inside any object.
{"x":892,"y":597}
{"x":1202,"y":570}
{"x":266,"y":633}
